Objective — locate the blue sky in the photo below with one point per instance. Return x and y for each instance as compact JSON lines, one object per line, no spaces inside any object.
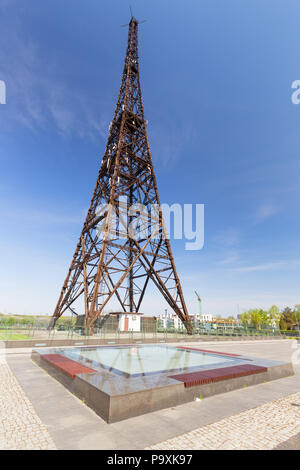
{"x":216,"y":83}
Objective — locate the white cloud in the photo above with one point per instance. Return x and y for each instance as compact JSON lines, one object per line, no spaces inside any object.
{"x":228,"y":237}
{"x":36,"y":97}
{"x":40,"y":217}
{"x":265,"y":211}
{"x":230,"y":258}
{"x":168,"y":140}
{"x":277,"y":265}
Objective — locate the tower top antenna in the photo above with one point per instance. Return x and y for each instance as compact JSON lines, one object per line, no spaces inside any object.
{"x":132,"y":18}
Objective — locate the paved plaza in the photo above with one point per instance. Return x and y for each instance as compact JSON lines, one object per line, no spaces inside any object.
{"x":260,"y":428}
{"x":20,"y":426}
{"x":37,"y":412}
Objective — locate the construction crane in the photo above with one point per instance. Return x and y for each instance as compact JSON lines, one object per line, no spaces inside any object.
{"x":200,"y":302}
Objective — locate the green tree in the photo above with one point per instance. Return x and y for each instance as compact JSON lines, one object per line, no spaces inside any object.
{"x":255,"y":317}
{"x":245,"y":318}
{"x":287,"y":320}
{"x":10,"y":321}
{"x":297,"y":314}
{"x":265,"y":318}
{"x":275,"y":315}
{"x":26,"y":321}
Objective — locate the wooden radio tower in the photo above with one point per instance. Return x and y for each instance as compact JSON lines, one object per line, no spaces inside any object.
{"x":120,"y":261}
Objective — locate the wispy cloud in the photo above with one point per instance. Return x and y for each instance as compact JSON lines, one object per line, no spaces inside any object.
{"x":39,"y":217}
{"x":170,"y":138}
{"x":266,"y":211}
{"x":276,"y":265}
{"x":230,"y":258}
{"x":36,"y":96}
{"x":4,"y":4}
{"x":228,"y":237}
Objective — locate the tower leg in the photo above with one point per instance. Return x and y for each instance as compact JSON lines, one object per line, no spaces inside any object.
{"x":52,"y":323}
{"x":189,"y":327}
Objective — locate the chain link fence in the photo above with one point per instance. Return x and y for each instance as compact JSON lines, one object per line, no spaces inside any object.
{"x":150,"y":328}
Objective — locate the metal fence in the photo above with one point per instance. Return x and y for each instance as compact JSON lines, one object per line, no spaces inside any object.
{"x":109,"y":330}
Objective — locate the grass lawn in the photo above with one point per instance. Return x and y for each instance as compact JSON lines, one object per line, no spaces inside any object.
{"x":13,"y":336}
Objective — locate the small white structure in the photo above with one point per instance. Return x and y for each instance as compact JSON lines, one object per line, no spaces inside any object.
{"x":130,"y":321}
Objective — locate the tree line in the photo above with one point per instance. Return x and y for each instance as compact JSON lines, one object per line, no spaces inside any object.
{"x":24,"y":321}
{"x":286,"y":319}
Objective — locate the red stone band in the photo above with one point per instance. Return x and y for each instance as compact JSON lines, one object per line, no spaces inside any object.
{"x":69,"y":367}
{"x":216,"y":375}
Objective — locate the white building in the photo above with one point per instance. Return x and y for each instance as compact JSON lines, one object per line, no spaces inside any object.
{"x":171,"y":320}
{"x":205,"y":317}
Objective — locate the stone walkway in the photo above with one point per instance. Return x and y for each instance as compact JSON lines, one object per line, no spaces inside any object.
{"x":20,"y":427}
{"x":261,"y":428}
{"x":291,"y":444}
